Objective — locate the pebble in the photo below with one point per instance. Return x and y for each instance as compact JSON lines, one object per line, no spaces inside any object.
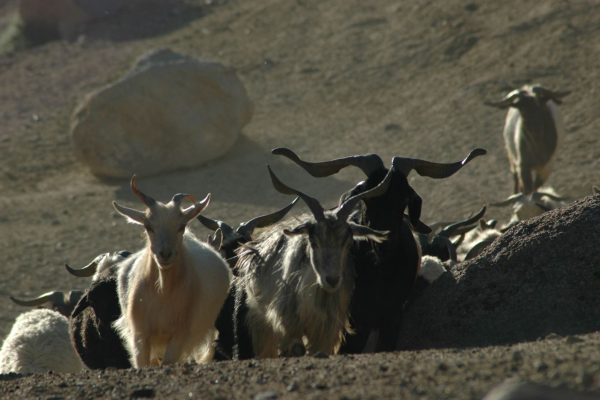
{"x":268,"y":395}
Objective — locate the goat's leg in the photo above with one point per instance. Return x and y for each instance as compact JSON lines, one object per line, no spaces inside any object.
{"x":525,"y":179}
{"x":173,"y":351}
{"x":141,"y":351}
{"x":541,"y":176}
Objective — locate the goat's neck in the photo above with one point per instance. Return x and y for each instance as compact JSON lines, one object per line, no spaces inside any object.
{"x":166,"y":280}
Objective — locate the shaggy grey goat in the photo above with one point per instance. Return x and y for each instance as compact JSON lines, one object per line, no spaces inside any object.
{"x":299,"y":277}
{"x":532,"y":132}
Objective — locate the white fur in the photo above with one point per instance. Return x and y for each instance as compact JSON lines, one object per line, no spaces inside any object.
{"x":39,"y":342}
{"x":475,"y":241}
{"x":174,"y":324}
{"x":431,"y":268}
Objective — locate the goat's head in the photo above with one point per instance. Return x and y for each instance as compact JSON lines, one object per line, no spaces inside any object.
{"x":531,"y":205}
{"x":400,"y":192}
{"x":165,"y":223}
{"x":529,"y":97}
{"x":102,"y":260}
{"x":330,"y":234}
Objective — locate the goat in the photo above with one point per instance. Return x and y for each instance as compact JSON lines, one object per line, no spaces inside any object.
{"x":531,"y":205}
{"x":440,"y":245}
{"x":99,"y":265}
{"x":386,"y":271}
{"x":90,"y":326}
{"x":477,"y":240}
{"x":39,"y":342}
{"x":234,"y":339}
{"x":172,"y":290}
{"x":298,"y":279}
{"x":532,"y":132}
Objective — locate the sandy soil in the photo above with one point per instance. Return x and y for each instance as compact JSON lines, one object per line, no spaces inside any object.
{"x":328,"y":79}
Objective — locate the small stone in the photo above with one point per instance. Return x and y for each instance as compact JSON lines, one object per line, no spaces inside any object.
{"x":540,"y":366}
{"x":145,"y":393}
{"x":268,"y":395}
{"x":319,"y":385}
{"x":292,"y":387}
{"x":516,"y":356}
{"x":383,"y":368}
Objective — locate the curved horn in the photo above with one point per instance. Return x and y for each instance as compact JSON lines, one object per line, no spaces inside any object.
{"x":506,"y":101}
{"x":247,"y":228}
{"x":548,"y":94}
{"x":312,"y":203}
{"x":368,"y":163}
{"x":510,"y":200}
{"x":538,"y":195}
{"x":55,"y":297}
{"x":88,"y":270}
{"x":348,"y":205}
{"x":179,"y":197}
{"x":453,"y":229}
{"x":147,"y":200}
{"x":432,"y":169}
{"x":215,"y":224}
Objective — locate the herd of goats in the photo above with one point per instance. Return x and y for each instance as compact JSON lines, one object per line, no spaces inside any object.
{"x":326,"y":282}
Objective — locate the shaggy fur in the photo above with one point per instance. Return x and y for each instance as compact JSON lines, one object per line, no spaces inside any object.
{"x":285,"y":302}
{"x":39,"y":342}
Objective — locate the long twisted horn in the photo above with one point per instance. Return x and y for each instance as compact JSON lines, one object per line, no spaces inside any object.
{"x":547,"y":94}
{"x":510,"y":200}
{"x":454,"y":229}
{"x":432,"y":169}
{"x":368,"y":163}
{"x":245,"y":229}
{"x":147,"y":200}
{"x":313,"y":204}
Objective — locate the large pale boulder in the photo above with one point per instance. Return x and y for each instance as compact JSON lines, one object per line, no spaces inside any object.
{"x":169,"y":112}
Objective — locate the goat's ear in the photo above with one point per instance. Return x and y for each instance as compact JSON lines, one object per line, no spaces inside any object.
{"x":361,"y":232}
{"x":134,"y":216}
{"x":301,"y":229}
{"x":193,"y":211}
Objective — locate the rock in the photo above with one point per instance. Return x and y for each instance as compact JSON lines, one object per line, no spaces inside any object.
{"x":531,"y":391}
{"x":542,"y":276}
{"x":62,"y":18}
{"x":168,"y":112}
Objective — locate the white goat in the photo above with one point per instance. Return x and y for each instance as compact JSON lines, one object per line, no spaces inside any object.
{"x":39,"y":342}
{"x":532,"y":132}
{"x":431,"y":268}
{"x":298,"y":277}
{"x":171,"y":291}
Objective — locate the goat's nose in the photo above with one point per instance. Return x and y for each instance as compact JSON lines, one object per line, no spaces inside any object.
{"x":165,"y":254}
{"x":332,"y":281}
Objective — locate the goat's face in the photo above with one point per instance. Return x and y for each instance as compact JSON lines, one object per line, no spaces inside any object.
{"x":165,"y":224}
{"x":329,"y":244}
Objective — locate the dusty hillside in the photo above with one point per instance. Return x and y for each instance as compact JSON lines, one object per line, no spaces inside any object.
{"x":328,"y":79}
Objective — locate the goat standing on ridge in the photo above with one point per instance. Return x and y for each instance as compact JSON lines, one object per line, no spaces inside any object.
{"x":532,"y":132}
{"x":172,"y":290}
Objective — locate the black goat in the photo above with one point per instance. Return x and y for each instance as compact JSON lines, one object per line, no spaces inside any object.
{"x":385,"y":271}
{"x":234,"y":340}
{"x":90,"y":326}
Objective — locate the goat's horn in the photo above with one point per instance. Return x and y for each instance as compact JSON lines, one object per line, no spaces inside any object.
{"x":549,"y":94}
{"x":510,"y":200}
{"x":86,"y":271}
{"x":596,"y":189}
{"x":55,"y":297}
{"x":312,"y":203}
{"x":454,"y":229}
{"x":368,"y":163}
{"x":247,"y":228}
{"x":432,"y":169}
{"x":147,"y":200}
{"x":215,"y":224}
{"x":538,"y":195}
{"x":179,"y":197}
{"x":348,"y":205}
{"x":506,"y":101}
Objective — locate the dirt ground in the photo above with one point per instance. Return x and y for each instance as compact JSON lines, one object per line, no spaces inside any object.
{"x":328,"y":78}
